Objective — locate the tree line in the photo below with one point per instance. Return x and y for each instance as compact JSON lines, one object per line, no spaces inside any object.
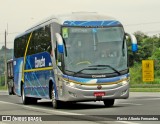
{"x":148,"y":49}
{"x":9,"y":55}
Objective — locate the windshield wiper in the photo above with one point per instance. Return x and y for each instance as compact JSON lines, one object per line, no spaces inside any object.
{"x":70,"y":71}
{"x":87,"y":69}
{"x":106,"y":66}
{"x":74,"y":73}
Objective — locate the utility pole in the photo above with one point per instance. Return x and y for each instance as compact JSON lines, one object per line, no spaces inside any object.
{"x":5,"y":59}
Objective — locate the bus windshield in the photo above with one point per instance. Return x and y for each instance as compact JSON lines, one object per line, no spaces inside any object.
{"x":94,"y":50}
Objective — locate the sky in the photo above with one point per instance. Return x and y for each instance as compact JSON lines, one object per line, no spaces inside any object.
{"x":136,"y":15}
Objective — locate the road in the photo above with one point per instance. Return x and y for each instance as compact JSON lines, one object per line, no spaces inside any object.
{"x":138,"y":104}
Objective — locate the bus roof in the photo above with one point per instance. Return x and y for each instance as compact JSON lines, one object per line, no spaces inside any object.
{"x":75,"y":16}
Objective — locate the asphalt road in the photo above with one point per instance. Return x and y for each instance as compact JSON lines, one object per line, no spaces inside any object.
{"x":138,"y":106}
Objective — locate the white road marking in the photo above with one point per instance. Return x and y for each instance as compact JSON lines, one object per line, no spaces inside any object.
{"x":141,"y":99}
{"x":66,"y":113}
{"x":150,"y":99}
{"x":130,"y":103}
{"x":2,"y":123}
{"x":55,"y":111}
{"x":126,"y":122}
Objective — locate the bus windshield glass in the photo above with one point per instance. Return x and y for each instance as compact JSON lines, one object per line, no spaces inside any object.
{"x":94,"y":50}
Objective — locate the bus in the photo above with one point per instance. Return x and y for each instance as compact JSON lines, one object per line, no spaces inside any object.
{"x":10,"y":77}
{"x":73,"y":58}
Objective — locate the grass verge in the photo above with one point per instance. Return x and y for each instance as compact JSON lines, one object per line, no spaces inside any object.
{"x":145,"y":85}
{"x":144,"y":89}
{"x":3,"y":88}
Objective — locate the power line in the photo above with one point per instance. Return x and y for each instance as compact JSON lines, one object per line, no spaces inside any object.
{"x":13,"y":33}
{"x":144,"y":23}
{"x":10,"y":33}
{"x":152,"y":31}
{"x":7,"y":42}
{"x":147,"y":23}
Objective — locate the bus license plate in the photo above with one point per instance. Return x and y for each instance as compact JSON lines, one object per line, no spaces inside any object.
{"x":99,"y":93}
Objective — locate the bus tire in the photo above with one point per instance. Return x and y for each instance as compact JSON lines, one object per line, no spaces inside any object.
{"x":10,"y":90}
{"x":13,"y":90}
{"x":108,"y":102}
{"x":25,"y":100}
{"x":55,"y":103}
{"x":33,"y":100}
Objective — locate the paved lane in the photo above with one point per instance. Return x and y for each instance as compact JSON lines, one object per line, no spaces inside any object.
{"x":137,"y":104}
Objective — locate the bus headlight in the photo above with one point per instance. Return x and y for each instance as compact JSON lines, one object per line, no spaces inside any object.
{"x":124,"y":83}
{"x":71,"y":84}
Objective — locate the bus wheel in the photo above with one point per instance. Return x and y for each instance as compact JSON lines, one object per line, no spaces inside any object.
{"x":10,"y":90}
{"x":108,"y":102}
{"x":55,"y":102}
{"x":25,"y":100}
{"x":33,"y":100}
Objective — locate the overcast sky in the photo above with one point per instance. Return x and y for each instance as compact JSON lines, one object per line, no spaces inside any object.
{"x":135,"y":15}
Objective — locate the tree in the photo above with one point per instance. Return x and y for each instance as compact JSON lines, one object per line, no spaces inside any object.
{"x":146,"y":47}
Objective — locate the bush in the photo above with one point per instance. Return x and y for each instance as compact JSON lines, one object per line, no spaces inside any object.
{"x":2,"y":80}
{"x":136,"y":76}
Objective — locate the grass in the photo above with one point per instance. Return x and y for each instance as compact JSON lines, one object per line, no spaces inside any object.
{"x":145,"y":85}
{"x":144,"y":89}
{"x":3,"y":88}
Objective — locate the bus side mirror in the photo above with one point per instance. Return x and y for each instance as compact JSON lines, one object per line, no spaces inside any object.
{"x":60,"y":43}
{"x":134,"y":42}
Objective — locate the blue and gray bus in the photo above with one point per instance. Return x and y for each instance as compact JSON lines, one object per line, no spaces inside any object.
{"x":73,"y":58}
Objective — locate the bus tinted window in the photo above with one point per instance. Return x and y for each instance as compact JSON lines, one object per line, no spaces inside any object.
{"x":40,"y":42}
{"x":42,"y":39}
{"x":19,"y":47}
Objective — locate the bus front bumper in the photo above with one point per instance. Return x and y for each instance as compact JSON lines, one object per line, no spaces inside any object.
{"x":86,"y":94}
